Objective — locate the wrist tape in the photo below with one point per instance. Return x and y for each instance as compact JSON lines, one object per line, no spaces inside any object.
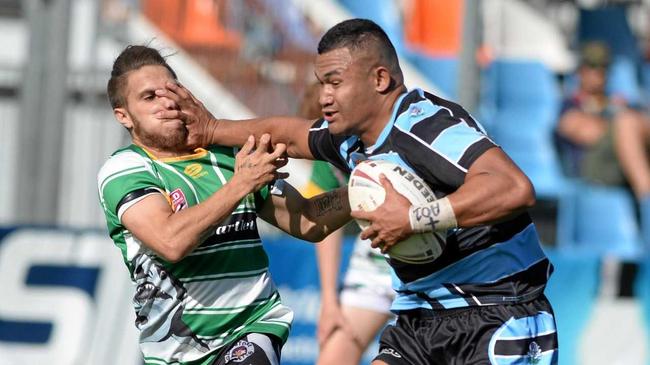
{"x":430,"y":217}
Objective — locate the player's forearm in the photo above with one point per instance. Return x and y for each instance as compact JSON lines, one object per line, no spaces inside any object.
{"x":324,"y":214}
{"x":184,"y":230}
{"x":288,"y":130}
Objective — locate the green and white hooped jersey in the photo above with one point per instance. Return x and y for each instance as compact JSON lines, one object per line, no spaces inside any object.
{"x":185,"y":311}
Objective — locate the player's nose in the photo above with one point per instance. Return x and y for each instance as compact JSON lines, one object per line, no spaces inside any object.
{"x":168,"y":103}
{"x":325,"y":98}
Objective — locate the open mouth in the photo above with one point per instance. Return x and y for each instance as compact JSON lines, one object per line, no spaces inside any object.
{"x":328,"y":115}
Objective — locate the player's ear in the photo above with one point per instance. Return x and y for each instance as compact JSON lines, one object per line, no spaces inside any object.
{"x":123,"y":117}
{"x":382,"y":79}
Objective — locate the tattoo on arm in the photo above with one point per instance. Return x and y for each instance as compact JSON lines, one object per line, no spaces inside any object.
{"x":325,"y":203}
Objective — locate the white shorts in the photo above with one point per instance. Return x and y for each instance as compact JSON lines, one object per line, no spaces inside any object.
{"x":367,"y":282}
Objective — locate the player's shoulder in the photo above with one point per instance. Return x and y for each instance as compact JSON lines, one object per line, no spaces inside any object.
{"x":418,"y":106}
{"x":123,"y":162}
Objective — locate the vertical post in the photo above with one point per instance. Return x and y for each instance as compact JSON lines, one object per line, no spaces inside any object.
{"x":469,"y":74}
{"x":43,"y":104}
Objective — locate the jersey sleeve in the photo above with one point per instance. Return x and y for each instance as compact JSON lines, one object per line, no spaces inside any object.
{"x":326,"y":147}
{"x":125,"y":179}
{"x":444,"y":146}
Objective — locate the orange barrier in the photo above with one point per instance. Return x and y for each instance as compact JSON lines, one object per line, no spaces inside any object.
{"x":193,"y":23}
{"x":435,"y":26}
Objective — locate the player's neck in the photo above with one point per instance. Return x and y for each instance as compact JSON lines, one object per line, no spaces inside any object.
{"x":160,"y":153}
{"x":378,"y":121}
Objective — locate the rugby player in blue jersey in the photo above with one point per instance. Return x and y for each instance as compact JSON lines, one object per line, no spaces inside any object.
{"x":482,"y":300}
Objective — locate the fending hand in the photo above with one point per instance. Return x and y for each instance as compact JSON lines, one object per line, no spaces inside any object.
{"x":200,"y":123}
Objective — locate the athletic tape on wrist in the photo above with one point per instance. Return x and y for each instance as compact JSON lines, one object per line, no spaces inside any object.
{"x":430,"y":217}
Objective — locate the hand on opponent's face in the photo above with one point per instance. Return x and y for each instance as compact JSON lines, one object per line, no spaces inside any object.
{"x":198,"y":120}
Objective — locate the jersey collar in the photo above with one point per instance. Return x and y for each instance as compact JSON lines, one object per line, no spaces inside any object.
{"x":198,"y":153}
{"x":384,"y":133}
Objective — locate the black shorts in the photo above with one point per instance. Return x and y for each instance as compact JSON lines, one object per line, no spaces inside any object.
{"x":498,"y":334}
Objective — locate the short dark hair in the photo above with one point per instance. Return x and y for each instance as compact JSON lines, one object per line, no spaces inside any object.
{"x":132,"y":58}
{"x":360,"y":34}
{"x":595,"y":54}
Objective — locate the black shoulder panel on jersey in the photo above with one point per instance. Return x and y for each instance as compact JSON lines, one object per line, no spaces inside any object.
{"x":456,"y":109}
{"x":432,"y":167}
{"x":431,"y":127}
{"x":135,"y":194}
{"x":324,"y":146}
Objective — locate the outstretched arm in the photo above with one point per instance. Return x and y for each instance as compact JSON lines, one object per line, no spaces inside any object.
{"x":204,"y":129}
{"x":173,"y":235}
{"x":494,"y":190}
{"x":309,"y":219}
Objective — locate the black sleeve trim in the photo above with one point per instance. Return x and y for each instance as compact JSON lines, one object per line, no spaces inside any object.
{"x":135,"y":194}
{"x":474,"y":152}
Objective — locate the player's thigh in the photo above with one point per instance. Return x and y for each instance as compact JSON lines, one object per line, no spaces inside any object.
{"x":341,"y":349}
{"x":365,"y":323}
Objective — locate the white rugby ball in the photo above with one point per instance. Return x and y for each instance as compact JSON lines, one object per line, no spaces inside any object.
{"x":366,"y":193}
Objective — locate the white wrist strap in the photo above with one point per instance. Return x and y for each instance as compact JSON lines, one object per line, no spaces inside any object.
{"x":430,"y":217}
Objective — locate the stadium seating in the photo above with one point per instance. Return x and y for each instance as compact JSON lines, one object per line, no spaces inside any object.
{"x":617,"y":34}
{"x":441,"y":71}
{"x":645,"y":82}
{"x":623,"y":80}
{"x":572,"y":290}
{"x":602,"y":220}
{"x":521,"y":119}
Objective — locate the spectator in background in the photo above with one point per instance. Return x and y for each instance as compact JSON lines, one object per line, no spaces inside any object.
{"x":351,"y":319}
{"x":602,"y":139}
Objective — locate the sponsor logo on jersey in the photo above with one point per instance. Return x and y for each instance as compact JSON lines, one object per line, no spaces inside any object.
{"x":240,"y":351}
{"x":391,"y":352}
{"x":178,"y":200}
{"x":238,"y":226}
{"x":194,"y":171}
{"x":415,"y":111}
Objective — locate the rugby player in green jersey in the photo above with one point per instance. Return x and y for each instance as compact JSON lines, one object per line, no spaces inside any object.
{"x":185,"y":223}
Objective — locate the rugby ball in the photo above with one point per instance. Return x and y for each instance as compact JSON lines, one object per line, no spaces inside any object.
{"x":366,"y":193}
